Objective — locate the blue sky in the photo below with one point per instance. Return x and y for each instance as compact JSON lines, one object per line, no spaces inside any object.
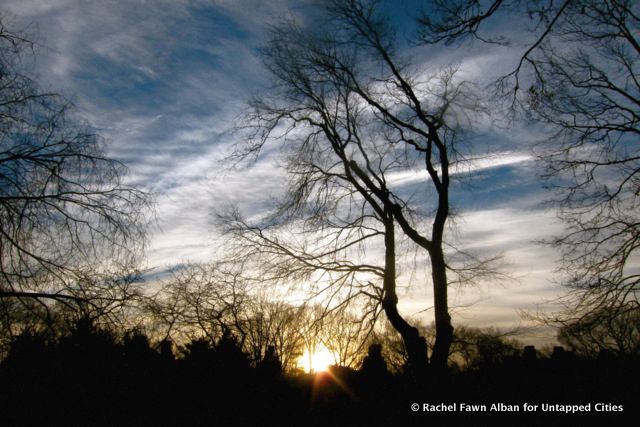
{"x":163,"y":82}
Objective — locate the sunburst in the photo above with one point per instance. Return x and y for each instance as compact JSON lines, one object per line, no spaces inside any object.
{"x":317,"y":361}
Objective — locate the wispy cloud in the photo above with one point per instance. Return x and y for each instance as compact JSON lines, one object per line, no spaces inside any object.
{"x":494,"y":160}
{"x":163,"y":81}
{"x":515,"y":233}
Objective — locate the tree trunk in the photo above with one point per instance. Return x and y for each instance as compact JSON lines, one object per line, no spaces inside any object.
{"x":444,"y":329}
{"x":415,"y":344}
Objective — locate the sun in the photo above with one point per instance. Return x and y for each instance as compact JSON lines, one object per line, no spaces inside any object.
{"x":318,"y":361}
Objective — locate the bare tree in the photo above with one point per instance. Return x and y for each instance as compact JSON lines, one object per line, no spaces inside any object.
{"x":199,"y":301}
{"x":581,"y":71}
{"x":351,"y":111}
{"x":592,"y":97}
{"x":71,"y":230}
{"x":620,"y":334}
{"x":347,"y":337}
{"x":482,"y":347}
{"x":208,"y":301}
{"x":276,"y":325}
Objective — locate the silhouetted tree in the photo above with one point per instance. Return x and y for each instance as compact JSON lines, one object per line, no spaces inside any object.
{"x":578,"y":76}
{"x":70,"y":228}
{"x":374,"y":364}
{"x":270,"y":364}
{"x":165,"y":349}
{"x":346,"y":336}
{"x":197,"y":349}
{"x":351,"y":111}
{"x":591,"y":335}
{"x":274,"y":325}
{"x":25,"y":346}
{"x":136,"y":348}
{"x":229,"y":354}
{"x":374,"y":376}
{"x":208,"y":300}
{"x":199,"y":300}
{"x":478,"y":348}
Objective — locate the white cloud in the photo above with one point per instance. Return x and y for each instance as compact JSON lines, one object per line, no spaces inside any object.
{"x":494,"y":160}
{"x":514,"y":233}
{"x":163,"y":81}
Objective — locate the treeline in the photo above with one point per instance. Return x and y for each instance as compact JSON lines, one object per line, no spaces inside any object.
{"x":205,"y":347}
{"x":202,"y":303}
{"x":93,"y":376}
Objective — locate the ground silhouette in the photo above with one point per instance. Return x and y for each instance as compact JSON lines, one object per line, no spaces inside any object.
{"x":91,"y":378}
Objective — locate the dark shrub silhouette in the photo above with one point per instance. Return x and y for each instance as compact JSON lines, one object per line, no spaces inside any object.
{"x":90,"y":376}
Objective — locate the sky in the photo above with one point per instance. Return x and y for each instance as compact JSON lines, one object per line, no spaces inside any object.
{"x":164,"y":81}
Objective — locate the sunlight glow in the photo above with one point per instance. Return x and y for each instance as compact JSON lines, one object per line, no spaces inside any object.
{"x":318,"y":361}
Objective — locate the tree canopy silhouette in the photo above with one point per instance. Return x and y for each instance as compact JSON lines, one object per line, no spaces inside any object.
{"x":71,"y":229}
{"x":352,"y":111}
{"x":578,"y":76}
